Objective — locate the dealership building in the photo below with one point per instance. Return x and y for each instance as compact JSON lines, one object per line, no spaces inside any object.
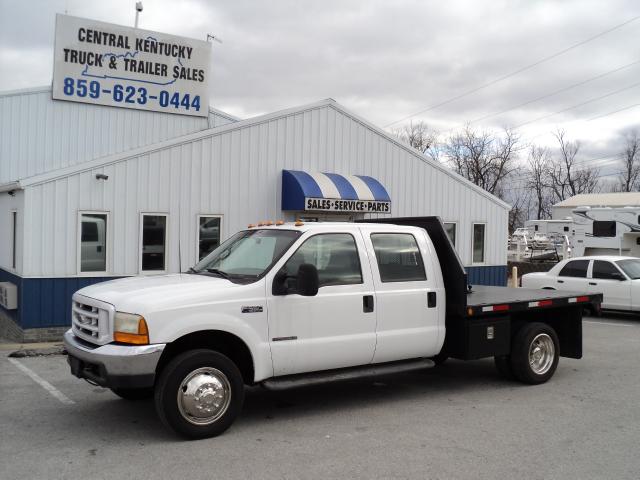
{"x":92,"y":192}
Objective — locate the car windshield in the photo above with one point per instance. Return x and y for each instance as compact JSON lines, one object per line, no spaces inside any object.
{"x":247,"y":254}
{"x":631,"y":267}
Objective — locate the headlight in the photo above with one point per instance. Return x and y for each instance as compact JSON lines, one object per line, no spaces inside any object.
{"x":130,"y":328}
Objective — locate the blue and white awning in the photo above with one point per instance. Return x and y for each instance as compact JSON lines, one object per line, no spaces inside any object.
{"x":331,"y":192}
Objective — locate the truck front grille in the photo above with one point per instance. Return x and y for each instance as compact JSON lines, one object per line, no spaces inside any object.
{"x":91,"y":320}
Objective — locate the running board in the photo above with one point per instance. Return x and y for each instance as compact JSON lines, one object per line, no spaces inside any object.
{"x":316,"y":378}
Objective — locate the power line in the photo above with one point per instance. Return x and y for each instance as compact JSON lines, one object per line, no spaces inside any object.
{"x":516,"y":72}
{"x":589,"y":119}
{"x":584,"y":82}
{"x":600,"y":97}
{"x":564,"y":89}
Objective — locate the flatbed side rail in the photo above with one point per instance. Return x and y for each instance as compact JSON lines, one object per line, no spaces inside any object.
{"x":592,"y":300}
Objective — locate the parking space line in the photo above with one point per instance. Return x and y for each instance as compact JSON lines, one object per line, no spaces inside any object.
{"x":612,"y":323}
{"x":43,"y":383}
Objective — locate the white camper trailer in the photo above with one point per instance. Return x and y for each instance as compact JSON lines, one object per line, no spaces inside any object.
{"x":606,"y":231}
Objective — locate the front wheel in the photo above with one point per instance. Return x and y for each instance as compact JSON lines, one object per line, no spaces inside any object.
{"x":199,"y":394}
{"x":535,"y":353}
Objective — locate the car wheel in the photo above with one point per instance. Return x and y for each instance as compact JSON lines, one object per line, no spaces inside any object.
{"x":199,"y":394}
{"x":535,"y":352}
{"x":439,"y":359}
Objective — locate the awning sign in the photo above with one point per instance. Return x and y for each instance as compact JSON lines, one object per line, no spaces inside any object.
{"x":333,"y":192}
{"x":346,"y":206}
{"x":106,"y":64}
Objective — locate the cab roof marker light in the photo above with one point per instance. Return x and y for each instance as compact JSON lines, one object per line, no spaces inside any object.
{"x":279,"y":222}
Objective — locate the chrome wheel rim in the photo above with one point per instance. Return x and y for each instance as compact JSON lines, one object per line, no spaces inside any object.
{"x":541,"y":353}
{"x":204,"y":396}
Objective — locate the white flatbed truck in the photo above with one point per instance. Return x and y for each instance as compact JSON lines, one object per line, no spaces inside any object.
{"x":289,"y":305}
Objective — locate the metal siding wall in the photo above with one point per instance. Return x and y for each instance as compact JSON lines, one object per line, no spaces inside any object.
{"x":237,"y":174}
{"x":38,"y":134}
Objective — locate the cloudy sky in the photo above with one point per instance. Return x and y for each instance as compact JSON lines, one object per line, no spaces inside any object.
{"x":389,"y":61}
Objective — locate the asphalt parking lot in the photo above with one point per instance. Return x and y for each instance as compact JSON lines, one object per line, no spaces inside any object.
{"x":460,"y":420}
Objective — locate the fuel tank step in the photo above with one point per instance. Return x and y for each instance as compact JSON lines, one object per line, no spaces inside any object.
{"x":374,"y":370}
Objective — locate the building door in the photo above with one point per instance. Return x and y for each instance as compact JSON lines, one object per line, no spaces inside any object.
{"x":335,"y":328}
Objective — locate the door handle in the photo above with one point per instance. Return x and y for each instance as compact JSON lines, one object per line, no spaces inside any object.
{"x":431,"y":299}
{"x":367,"y":303}
{"x":560,"y":281}
{"x":593,"y":283}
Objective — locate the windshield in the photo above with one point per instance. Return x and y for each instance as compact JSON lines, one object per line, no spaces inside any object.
{"x":630,"y":267}
{"x":247,"y":254}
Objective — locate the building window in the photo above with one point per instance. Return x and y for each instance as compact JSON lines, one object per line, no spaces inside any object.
{"x":14,"y":238}
{"x":566,"y":229}
{"x":478,"y":242}
{"x":209,"y":227}
{"x":153,"y":256}
{"x":450,"y":228}
{"x":398,"y":256}
{"x":535,"y":227}
{"x":93,"y":242}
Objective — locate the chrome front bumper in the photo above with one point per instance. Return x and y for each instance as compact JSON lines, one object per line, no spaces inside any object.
{"x":113,"y":366}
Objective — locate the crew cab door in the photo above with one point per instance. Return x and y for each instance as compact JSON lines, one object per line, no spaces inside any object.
{"x":336,"y":327}
{"x":408,"y":302}
{"x":607,"y":279}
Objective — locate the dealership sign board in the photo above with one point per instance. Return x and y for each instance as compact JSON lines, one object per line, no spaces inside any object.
{"x":106,"y":64}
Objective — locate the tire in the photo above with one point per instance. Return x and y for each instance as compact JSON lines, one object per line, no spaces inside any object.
{"x":532,"y":337}
{"x":439,"y":359}
{"x":196,"y":371}
{"x":133,"y":393}
{"x":503,"y":365}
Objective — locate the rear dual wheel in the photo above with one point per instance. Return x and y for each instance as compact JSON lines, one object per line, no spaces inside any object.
{"x":535,"y":352}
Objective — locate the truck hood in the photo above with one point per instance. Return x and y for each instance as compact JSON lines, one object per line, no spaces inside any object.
{"x":144,"y":294}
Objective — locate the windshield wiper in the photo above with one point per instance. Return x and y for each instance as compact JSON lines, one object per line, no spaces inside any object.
{"x":191,"y":270}
{"x":215,"y":271}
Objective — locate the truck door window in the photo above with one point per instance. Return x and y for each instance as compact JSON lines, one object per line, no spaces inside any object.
{"x":335,"y":255}
{"x":575,"y":268}
{"x":398,"y":256}
{"x":605,"y":270}
{"x":93,"y":242}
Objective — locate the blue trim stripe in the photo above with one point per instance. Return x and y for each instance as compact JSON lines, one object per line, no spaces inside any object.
{"x":347,"y":192}
{"x":379,"y":192}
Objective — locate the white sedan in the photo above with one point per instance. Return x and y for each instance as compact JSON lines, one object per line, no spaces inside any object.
{"x":617,"y":278}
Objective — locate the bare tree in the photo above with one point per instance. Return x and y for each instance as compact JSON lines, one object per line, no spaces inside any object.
{"x":418,"y":135}
{"x":520,"y":200}
{"x":629,"y":179}
{"x":539,"y":180}
{"x":567,"y":177}
{"x":483,"y":157}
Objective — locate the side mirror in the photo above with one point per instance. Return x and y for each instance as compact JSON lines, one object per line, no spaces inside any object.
{"x":308,"y":282}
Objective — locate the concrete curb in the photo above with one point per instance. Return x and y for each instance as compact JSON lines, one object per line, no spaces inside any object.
{"x":22,"y":350}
